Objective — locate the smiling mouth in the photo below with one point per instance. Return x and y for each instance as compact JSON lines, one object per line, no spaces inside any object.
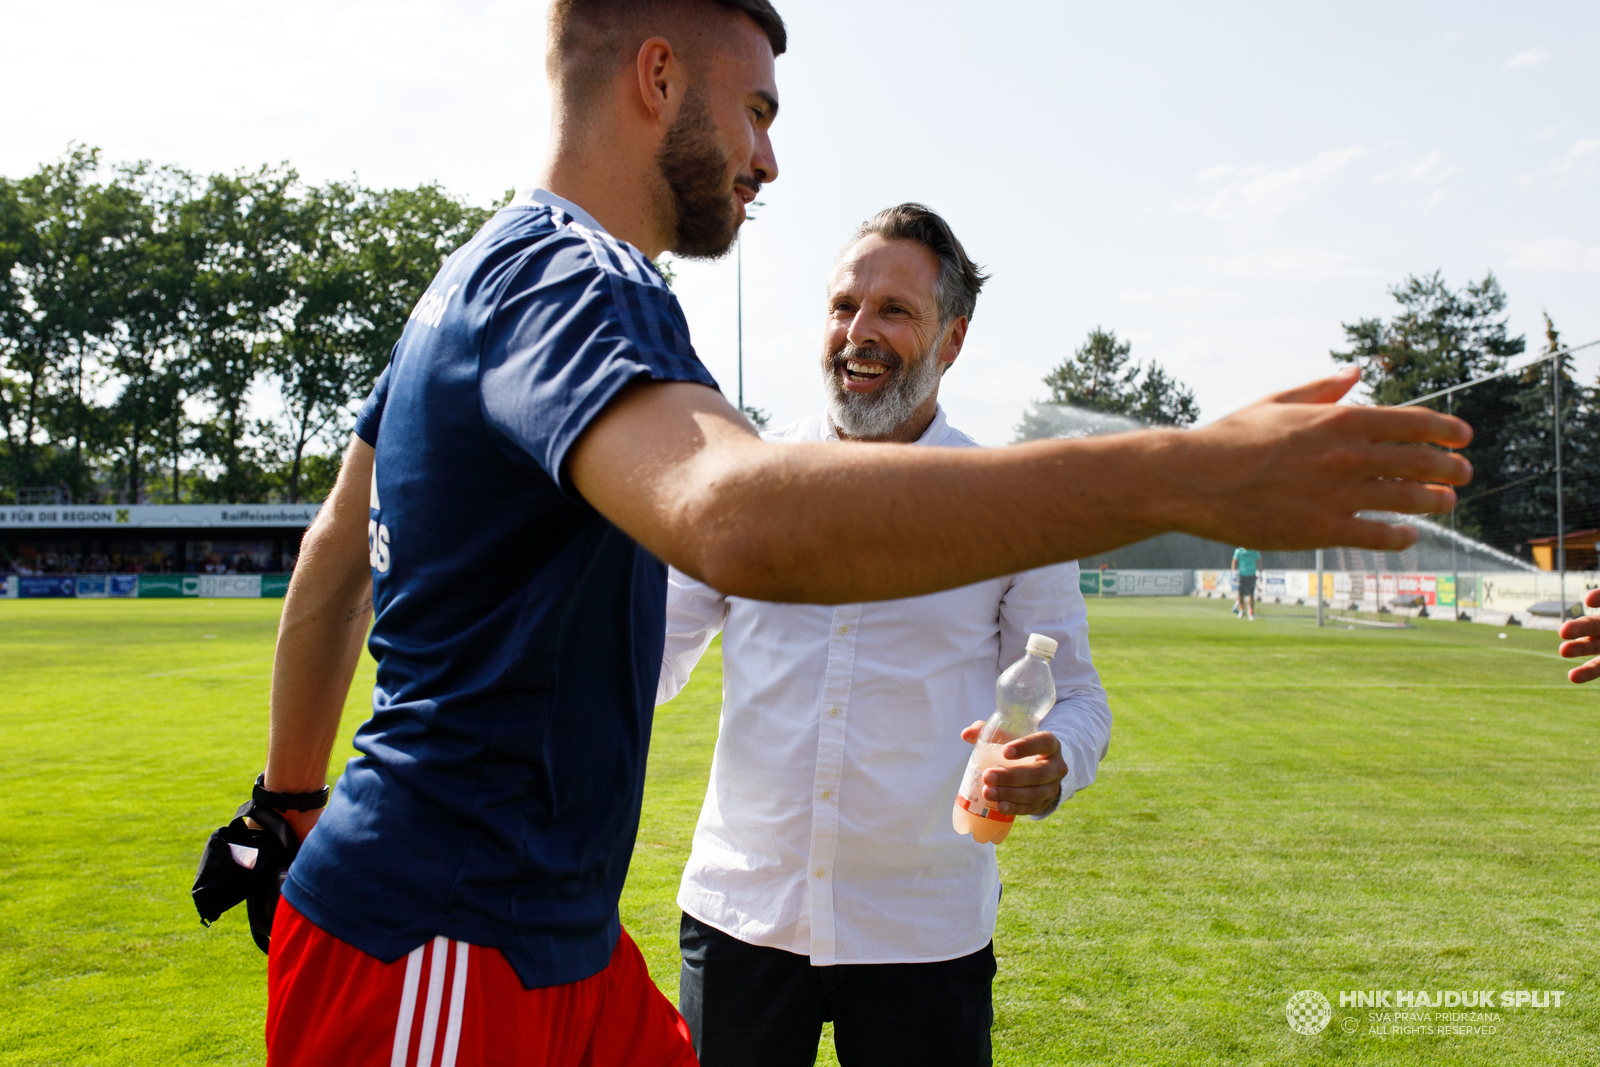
{"x":857,"y":371}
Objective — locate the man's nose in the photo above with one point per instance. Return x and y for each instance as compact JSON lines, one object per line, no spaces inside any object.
{"x":863,"y":332}
{"x":765,"y":163}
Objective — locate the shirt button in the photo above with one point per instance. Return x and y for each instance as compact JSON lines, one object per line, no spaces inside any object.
{"x":818,"y":872}
{"x":833,"y":713}
{"x":844,"y":629}
{"x":826,"y":793}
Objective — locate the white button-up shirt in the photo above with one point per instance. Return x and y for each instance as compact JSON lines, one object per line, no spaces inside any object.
{"x":826,"y":828}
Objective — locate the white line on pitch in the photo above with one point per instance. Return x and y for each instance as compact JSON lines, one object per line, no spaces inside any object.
{"x":213,"y":667}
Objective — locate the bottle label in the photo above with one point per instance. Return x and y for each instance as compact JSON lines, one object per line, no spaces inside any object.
{"x":984,"y":756}
{"x":981,"y":809}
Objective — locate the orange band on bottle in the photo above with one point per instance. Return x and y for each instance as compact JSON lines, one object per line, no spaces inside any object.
{"x":983,"y":812}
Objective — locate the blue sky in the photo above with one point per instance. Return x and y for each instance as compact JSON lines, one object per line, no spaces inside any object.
{"x":1223,"y":184}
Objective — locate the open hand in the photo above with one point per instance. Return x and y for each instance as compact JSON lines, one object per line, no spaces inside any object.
{"x":1027,"y":788}
{"x":1581,"y":637}
{"x":1291,"y":471}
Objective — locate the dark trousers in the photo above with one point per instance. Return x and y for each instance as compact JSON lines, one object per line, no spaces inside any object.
{"x":749,"y":1006}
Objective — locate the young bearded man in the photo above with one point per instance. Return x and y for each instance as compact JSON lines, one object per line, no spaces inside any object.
{"x":543,"y":441}
{"x":826,"y":880}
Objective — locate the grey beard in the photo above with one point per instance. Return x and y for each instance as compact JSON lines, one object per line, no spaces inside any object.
{"x":880,"y":413}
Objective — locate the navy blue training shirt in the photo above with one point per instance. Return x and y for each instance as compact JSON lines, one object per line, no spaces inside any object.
{"x":518,"y":633}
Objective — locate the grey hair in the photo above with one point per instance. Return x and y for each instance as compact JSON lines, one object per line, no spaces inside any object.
{"x":959,"y":277}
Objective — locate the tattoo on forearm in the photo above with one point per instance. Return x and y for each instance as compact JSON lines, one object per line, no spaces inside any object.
{"x":359,"y":613}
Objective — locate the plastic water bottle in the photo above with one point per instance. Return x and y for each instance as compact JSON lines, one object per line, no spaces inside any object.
{"x":1023,"y":694}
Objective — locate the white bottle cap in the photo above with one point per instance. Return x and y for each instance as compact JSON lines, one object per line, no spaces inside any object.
{"x":1040,"y":645}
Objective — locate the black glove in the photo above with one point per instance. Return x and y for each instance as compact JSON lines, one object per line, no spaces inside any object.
{"x":240,"y":863}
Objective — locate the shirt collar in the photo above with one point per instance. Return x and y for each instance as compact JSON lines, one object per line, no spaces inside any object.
{"x":549,"y":199}
{"x":933,"y":435}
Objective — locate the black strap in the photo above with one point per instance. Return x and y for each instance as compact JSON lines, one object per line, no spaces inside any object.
{"x":274,"y":824}
{"x":287,"y":801}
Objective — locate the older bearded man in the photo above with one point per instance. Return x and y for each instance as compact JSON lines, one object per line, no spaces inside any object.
{"x":826,"y":880}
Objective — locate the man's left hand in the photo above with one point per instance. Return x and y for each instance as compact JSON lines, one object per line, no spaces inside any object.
{"x":1028,"y":788}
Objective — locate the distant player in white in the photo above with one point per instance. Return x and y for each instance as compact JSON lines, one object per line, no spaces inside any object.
{"x":826,"y":880}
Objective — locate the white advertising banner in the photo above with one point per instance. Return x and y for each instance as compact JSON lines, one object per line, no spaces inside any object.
{"x":8,"y":587}
{"x":1369,"y":594}
{"x":1508,"y":592}
{"x":1520,"y":590}
{"x":231,"y":585}
{"x":1152,"y":583}
{"x":157,"y":516}
{"x":1272,"y":585}
{"x":1110,"y":582}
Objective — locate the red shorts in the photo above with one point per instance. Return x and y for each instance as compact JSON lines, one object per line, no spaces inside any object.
{"x":451,"y":1004}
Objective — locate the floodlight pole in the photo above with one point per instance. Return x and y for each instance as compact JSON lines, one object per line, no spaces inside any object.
{"x":738,"y":244}
{"x":1455,"y":574}
{"x":1319,"y":587}
{"x":1561,"y":528}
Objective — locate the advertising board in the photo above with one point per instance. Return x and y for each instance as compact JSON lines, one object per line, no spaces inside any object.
{"x":168,"y":585}
{"x":1135,"y":582}
{"x":46,"y":585}
{"x":154,"y":516}
{"x":230,"y":585}
{"x":93,"y":585}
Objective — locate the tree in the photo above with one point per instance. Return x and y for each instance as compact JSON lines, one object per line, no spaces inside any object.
{"x":1580,"y":442}
{"x":149,"y":316}
{"x":140,"y":334}
{"x":320,"y":347}
{"x":1527,"y":506}
{"x":55,"y":236}
{"x":240,"y":234}
{"x":1097,"y":376}
{"x":14,"y":331}
{"x":404,"y":237}
{"x":1102,"y":376}
{"x":1442,"y":338}
{"x":361,"y":262}
{"x":1163,"y":400}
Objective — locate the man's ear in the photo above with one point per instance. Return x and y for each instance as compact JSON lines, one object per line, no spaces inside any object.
{"x":663,"y":79}
{"x":955,"y":337}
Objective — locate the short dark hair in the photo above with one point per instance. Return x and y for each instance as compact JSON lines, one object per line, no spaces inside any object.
{"x":959,"y":277}
{"x":589,"y":39}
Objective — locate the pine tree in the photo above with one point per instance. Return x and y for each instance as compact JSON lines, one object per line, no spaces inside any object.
{"x":1096,"y":376}
{"x":1442,"y":338}
{"x":1103,"y":376}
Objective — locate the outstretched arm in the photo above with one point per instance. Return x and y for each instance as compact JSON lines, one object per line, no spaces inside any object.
{"x":320,"y":636}
{"x":679,"y":469}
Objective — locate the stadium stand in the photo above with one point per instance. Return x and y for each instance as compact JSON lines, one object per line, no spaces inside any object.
{"x":150,"y":550}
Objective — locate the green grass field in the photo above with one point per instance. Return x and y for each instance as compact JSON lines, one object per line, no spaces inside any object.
{"x":1283,"y":808}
